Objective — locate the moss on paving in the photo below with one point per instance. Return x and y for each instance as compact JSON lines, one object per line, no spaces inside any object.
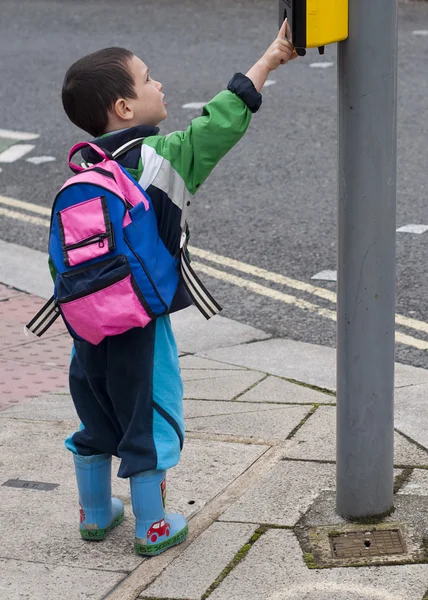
{"x":309,"y":559}
{"x":235,"y":561}
{"x":402,"y":479}
{"x":309,"y":386}
{"x":373,"y":519}
{"x":302,"y":422}
{"x":252,"y":386}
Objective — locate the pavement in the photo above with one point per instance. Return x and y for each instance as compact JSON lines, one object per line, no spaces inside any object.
{"x":257,"y":474}
{"x":271,"y":203}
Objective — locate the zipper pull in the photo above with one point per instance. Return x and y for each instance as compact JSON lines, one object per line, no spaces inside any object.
{"x":101,"y":244}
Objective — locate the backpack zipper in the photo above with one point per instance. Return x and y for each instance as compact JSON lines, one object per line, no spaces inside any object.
{"x":99,"y":237}
{"x":94,"y":290}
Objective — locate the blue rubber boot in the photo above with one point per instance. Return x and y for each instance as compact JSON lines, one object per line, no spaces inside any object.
{"x":99,"y":512}
{"x":155,"y":531}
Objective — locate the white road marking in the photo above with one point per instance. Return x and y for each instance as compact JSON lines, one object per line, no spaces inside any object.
{"x":35,"y":208}
{"x":413,"y":229}
{"x":288,"y":299}
{"x":269,"y":83}
{"x":321,"y":65}
{"x":292,"y":283}
{"x":38,"y":160}
{"x":18,"y":135}
{"x":423,"y":32}
{"x":15,"y":152}
{"x":12,"y":214}
{"x":238,"y":266}
{"x":326,"y":276}
{"x":263,"y":274}
{"x":265,"y":291}
{"x":194,"y":105}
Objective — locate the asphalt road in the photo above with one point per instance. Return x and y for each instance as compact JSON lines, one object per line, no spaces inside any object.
{"x":272,"y":201}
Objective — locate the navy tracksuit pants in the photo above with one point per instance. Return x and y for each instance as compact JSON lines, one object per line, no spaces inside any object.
{"x":128,"y":394}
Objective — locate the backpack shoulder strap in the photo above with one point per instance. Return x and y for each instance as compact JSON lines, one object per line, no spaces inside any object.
{"x":128,"y":146}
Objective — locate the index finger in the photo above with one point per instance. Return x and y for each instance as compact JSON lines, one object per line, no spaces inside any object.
{"x":282,"y":32}
{"x":288,"y":34}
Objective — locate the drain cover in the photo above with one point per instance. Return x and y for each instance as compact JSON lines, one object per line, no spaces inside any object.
{"x":357,"y":544}
{"x":31,"y":485}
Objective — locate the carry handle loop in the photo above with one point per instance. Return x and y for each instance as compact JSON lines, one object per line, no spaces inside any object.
{"x":79,"y":146}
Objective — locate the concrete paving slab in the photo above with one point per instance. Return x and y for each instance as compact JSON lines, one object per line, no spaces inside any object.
{"x":314,"y":365}
{"x":411,"y":412}
{"x":192,"y":573}
{"x":316,"y":440}
{"x":283,"y":495}
{"x":308,"y":363}
{"x":49,"y":407}
{"x":15,"y":260}
{"x":406,"y":453}
{"x":206,"y":468}
{"x":195,"y":334}
{"x":218,"y":385}
{"x":274,"y":570}
{"x":21,"y":579}
{"x":29,"y":527}
{"x":59,"y":407}
{"x":275,"y":424}
{"x":207,"y":408}
{"x":45,"y":524}
{"x":280,"y":391}
{"x":189,"y":361}
{"x":405,"y":375}
{"x":417,"y":484}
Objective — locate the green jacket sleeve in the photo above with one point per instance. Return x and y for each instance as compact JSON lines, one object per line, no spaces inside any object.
{"x":194,"y":153}
{"x":52,"y":269}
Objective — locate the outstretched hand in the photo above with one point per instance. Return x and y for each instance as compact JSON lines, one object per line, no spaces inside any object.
{"x":281,"y":51}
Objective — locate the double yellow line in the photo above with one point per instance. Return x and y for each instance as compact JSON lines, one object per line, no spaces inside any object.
{"x":243,"y":268}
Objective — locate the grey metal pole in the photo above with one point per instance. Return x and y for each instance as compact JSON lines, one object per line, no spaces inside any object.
{"x":367,"y":71}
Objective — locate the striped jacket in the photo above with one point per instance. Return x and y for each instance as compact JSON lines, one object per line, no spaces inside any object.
{"x":171,"y":168}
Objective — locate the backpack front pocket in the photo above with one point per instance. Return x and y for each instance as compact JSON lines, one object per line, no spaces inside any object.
{"x":101,"y":300}
{"x":86,"y":231}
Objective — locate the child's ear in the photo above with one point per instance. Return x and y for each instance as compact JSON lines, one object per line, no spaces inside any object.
{"x":123,"y":110}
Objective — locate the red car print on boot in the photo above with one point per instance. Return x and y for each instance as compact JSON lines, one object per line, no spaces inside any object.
{"x":82,"y":514}
{"x":157,"y":530}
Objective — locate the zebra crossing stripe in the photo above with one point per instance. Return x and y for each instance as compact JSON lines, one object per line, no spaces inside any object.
{"x":10,"y":151}
{"x":15,"y":152}
{"x":19,"y":136}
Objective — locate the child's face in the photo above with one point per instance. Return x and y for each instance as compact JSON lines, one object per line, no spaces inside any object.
{"x":149,"y":107}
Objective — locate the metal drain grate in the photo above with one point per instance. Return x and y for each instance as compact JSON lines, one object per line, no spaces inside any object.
{"x":357,"y":544}
{"x":31,"y":485}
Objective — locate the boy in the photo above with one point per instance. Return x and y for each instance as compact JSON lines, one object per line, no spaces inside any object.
{"x":128,"y":390}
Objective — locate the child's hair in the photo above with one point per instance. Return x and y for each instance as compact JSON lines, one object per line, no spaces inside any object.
{"x":93,"y":84}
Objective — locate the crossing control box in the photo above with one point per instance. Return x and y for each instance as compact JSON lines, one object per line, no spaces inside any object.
{"x":315,"y":23}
